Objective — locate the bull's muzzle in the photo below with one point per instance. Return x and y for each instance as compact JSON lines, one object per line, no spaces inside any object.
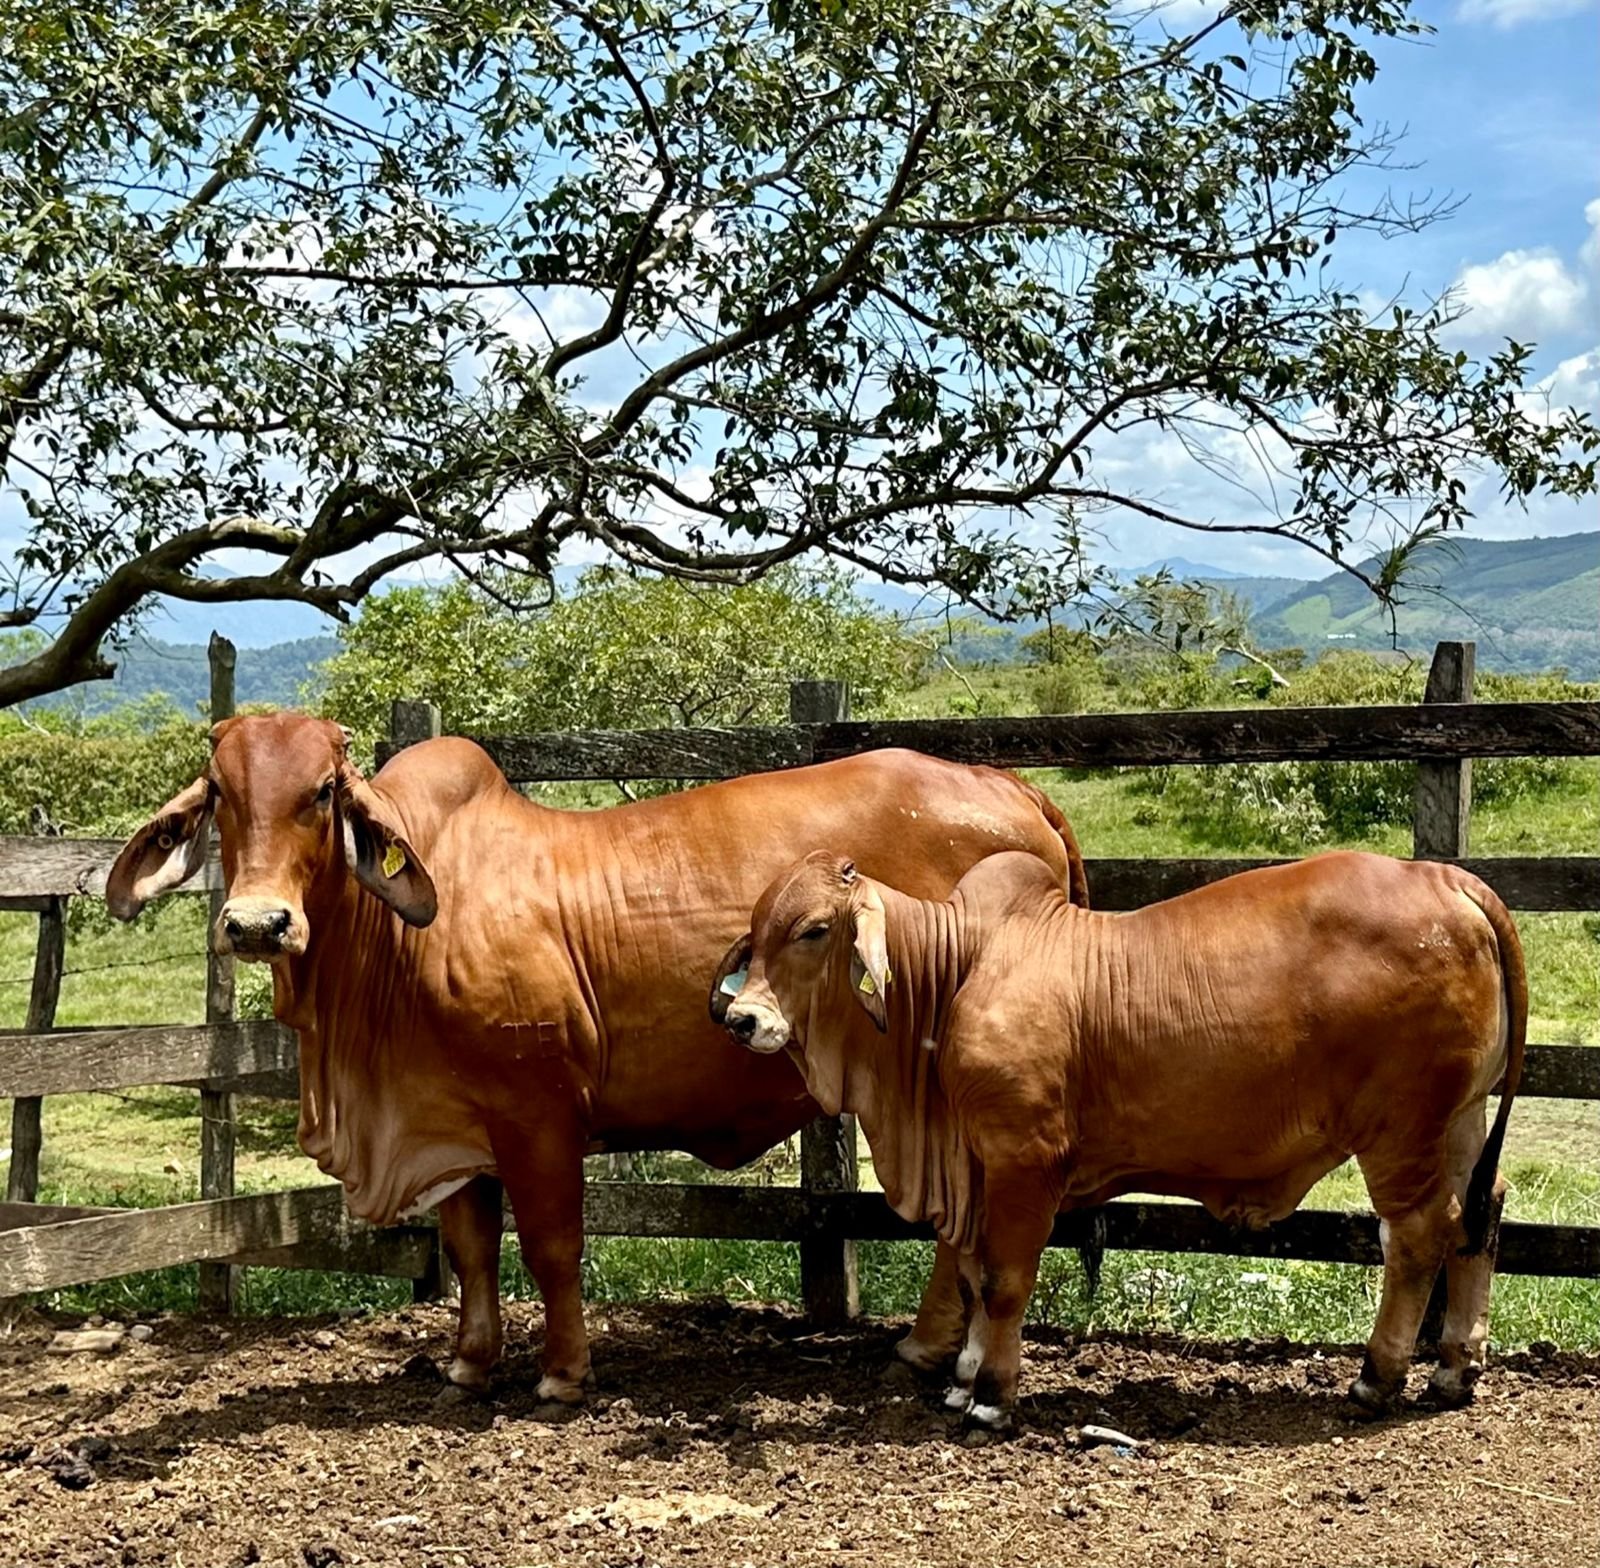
{"x":259,"y":928}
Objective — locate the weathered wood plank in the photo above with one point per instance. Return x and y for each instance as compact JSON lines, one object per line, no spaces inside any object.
{"x":1091,"y":740}
{"x":1441,"y":815}
{"x":33,"y":868}
{"x":1375,"y":734}
{"x":129,"y":1241}
{"x":643,"y":754}
{"x":787,"y":1214}
{"x":218,"y":1115}
{"x":1559,"y":1072}
{"x":404,"y":1252}
{"x":1527,"y":882}
{"x":15,"y":1215}
{"x":27,"y":1113}
{"x":829,"y":1276}
{"x":80,"y":1060}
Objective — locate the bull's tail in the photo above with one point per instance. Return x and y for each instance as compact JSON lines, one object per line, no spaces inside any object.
{"x":1476,"y":1211}
{"x":1077,"y":878}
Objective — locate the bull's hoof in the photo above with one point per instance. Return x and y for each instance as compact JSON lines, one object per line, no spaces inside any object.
{"x":898,"y":1378}
{"x":1451,"y":1388}
{"x":461,"y":1396}
{"x":1373,"y":1399}
{"x":470,"y":1375}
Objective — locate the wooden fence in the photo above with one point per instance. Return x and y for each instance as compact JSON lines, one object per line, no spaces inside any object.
{"x":44,"y":1247}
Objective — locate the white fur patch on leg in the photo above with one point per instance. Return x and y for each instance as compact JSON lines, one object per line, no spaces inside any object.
{"x":968,"y":1362}
{"x":991,"y":1416}
{"x":914,"y":1353}
{"x":958,"y":1398}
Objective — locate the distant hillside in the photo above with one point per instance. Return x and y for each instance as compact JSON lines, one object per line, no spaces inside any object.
{"x":269,"y":675}
{"x":1530,"y":604}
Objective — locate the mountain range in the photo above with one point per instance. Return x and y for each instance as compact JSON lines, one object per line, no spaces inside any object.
{"x":1530,"y":604}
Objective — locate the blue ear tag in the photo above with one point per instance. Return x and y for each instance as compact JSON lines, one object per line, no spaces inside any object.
{"x":734,"y":983}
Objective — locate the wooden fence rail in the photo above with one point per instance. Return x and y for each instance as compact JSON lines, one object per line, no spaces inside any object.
{"x":45,"y":1247}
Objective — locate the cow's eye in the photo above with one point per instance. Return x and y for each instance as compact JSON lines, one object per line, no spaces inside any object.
{"x":815,"y":934}
{"x":325,"y":794}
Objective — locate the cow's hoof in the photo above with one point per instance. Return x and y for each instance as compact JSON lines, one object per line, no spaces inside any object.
{"x":987,"y":1418}
{"x":460,"y":1396}
{"x":562,"y":1390}
{"x":469,"y":1376}
{"x":1373,"y":1399}
{"x":898,"y":1378}
{"x":1450,"y":1388}
{"x":957,"y":1398}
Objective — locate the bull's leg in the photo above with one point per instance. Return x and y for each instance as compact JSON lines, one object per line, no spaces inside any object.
{"x":941,"y":1323}
{"x":1414,"y":1242}
{"x":543,"y":1171}
{"x":1018,"y":1228}
{"x":1464,"y":1340}
{"x":969,"y":1285}
{"x":470,"y":1226}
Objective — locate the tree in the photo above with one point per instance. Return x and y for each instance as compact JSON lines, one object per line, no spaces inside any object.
{"x":351,"y":286}
{"x":620,"y":652}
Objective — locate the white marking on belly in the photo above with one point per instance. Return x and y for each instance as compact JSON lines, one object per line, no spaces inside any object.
{"x":432,"y":1197}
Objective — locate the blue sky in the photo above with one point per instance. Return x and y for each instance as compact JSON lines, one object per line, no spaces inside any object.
{"x":1500,"y":110}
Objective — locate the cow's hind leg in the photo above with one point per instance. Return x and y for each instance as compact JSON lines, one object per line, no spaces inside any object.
{"x":1468,"y":1277}
{"x":543,"y":1172}
{"x":941,"y":1324}
{"x":1416,"y":1230}
{"x":970,"y":1288}
{"x":470,"y":1227}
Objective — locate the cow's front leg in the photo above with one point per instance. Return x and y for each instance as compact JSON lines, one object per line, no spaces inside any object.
{"x":543,"y":1171}
{"x":1019,"y":1224}
{"x":941,"y":1324}
{"x":470,"y":1226}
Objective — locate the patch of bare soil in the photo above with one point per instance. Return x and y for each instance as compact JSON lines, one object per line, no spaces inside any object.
{"x":734,"y":1436}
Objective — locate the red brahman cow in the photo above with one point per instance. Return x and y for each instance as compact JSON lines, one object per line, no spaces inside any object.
{"x":486,"y":988}
{"x":1010,"y":1056}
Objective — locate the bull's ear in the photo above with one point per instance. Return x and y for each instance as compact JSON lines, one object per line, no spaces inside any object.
{"x":167,"y":850}
{"x":869,"y":958}
{"x":380,"y":855}
{"x":728,"y":979}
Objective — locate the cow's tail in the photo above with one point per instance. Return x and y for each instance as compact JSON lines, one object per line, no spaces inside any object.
{"x":1477,"y":1210}
{"x":1077,"y":878}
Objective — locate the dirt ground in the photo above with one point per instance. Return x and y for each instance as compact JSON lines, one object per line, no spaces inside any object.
{"x":723,"y":1435}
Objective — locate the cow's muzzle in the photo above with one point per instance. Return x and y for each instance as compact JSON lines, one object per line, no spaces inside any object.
{"x":762,"y":1029}
{"x":259,"y":928}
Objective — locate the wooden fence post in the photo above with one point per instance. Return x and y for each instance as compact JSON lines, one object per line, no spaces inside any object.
{"x":828,"y":1161}
{"x":218,"y":1112}
{"x":1440,"y":831}
{"x":411,"y":721}
{"x":27,"y":1126}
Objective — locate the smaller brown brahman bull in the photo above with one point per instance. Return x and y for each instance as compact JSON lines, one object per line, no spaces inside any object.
{"x":1010,"y":1056}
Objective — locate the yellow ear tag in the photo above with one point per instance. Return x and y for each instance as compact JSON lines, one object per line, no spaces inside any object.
{"x":866,"y":987}
{"x":393,"y":860}
{"x":888,"y":975}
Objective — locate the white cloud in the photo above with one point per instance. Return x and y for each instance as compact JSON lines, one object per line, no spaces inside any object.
{"x":1506,"y":14}
{"x":1529,"y":295}
{"x":1590,"y":254}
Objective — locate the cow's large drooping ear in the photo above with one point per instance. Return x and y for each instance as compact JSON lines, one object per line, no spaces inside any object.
{"x":380,"y":855}
{"x":729,"y":977}
{"x":869,"y":958}
{"x":167,"y":850}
